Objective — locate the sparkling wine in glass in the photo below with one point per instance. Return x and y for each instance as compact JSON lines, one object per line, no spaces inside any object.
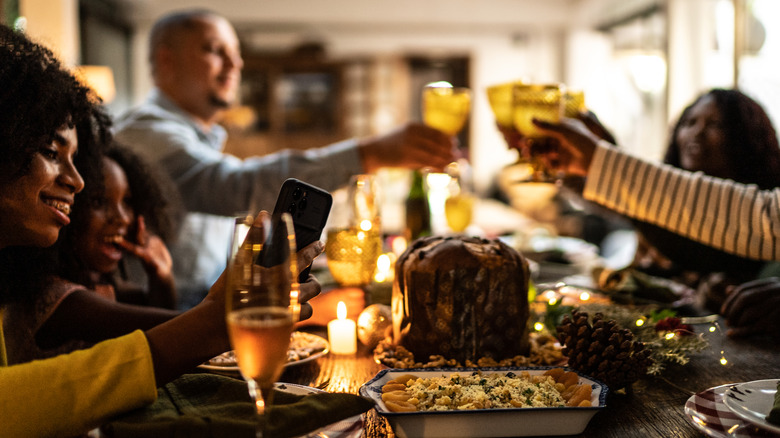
{"x":262,"y":302}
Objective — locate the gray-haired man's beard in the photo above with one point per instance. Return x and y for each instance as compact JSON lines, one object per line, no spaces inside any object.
{"x":218,"y":102}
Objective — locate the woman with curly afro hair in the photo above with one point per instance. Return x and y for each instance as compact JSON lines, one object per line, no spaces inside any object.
{"x":51,"y":129}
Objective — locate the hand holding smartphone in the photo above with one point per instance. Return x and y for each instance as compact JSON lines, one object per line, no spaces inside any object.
{"x":309,"y":207}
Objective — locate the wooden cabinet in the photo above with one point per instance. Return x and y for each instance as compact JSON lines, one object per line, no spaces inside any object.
{"x":301,"y":99}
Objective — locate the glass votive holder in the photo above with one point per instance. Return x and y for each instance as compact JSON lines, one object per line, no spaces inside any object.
{"x":352,"y":254}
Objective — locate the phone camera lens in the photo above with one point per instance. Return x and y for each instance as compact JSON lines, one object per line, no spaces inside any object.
{"x":291,"y":209}
{"x":297,"y":193}
{"x":302,"y":203}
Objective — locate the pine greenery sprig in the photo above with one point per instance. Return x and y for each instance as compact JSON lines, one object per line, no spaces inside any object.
{"x":664,"y":348}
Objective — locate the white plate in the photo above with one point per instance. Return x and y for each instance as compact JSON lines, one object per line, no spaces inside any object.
{"x":752,"y":401}
{"x":226,"y":362}
{"x":351,"y":427}
{"x":484,"y":422}
{"x":707,"y":412}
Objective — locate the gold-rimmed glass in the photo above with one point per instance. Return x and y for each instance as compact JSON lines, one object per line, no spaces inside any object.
{"x":501,"y":97}
{"x":445,"y":107}
{"x":543,"y":102}
{"x":536,"y":101}
{"x":262,"y":302}
{"x":574,"y":103}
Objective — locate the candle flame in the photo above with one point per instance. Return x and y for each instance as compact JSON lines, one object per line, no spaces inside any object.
{"x":341,"y":310}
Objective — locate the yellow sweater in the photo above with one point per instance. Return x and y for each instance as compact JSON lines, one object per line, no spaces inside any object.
{"x":73,"y":393}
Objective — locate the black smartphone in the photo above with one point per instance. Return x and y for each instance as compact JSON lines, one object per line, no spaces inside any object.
{"x":309,"y":207}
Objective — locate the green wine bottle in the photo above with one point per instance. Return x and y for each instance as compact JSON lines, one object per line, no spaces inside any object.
{"x":418,"y":213}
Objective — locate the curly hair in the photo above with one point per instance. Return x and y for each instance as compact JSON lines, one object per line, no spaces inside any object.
{"x":37,"y":97}
{"x":753,"y":146}
{"x":153,"y":196}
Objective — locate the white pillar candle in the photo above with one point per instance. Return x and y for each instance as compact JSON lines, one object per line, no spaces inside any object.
{"x":342,"y":332}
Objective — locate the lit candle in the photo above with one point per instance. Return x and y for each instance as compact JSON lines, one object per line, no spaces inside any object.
{"x":342,"y":332}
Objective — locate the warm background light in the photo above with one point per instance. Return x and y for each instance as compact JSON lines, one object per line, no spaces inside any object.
{"x":100,"y":78}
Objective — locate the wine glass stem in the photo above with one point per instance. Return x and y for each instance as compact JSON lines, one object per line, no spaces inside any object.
{"x":257,"y":396}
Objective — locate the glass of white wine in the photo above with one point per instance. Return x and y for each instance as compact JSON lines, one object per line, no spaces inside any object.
{"x":459,"y":205}
{"x":262,"y":303}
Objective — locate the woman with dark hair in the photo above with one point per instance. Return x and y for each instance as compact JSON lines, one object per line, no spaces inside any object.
{"x":77,"y":304}
{"x":725,"y":134}
{"x":46,"y":117}
{"x":737,"y":218}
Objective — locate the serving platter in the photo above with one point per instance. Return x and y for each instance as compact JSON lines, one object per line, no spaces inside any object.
{"x":480,"y":423}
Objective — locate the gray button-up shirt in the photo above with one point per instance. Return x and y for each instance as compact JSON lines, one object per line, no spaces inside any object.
{"x":215,"y":187}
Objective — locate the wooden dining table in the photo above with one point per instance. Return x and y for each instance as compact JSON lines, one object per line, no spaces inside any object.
{"x":653,"y":407}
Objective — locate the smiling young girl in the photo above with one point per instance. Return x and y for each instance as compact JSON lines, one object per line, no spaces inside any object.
{"x":132,"y":213}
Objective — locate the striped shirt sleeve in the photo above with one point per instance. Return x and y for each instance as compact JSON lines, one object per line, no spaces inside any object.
{"x":736,"y":218}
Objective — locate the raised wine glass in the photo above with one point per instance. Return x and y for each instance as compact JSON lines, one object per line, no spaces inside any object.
{"x":262,"y":303}
{"x":445,"y":107}
{"x":537,"y":101}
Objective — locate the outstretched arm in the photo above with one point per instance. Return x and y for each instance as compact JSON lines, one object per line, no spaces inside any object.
{"x":737,"y":218}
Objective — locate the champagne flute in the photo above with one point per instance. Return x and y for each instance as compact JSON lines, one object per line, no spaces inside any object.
{"x":262,"y":303}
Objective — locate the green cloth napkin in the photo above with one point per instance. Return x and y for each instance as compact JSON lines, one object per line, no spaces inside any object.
{"x":630,"y":286}
{"x":774,"y":414}
{"x":213,"y":406}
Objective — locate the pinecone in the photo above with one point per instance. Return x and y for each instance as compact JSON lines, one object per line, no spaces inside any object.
{"x":602,"y":349}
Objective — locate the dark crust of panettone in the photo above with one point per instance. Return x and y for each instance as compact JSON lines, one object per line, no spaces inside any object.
{"x":461,"y":297}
